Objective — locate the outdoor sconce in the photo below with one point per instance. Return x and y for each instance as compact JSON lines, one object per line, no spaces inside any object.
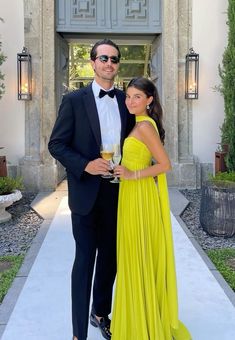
{"x":191,"y":75}
{"x":24,"y":75}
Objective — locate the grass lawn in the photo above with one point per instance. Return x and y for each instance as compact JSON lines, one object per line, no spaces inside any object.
{"x":9,"y":266}
{"x":224,"y":261}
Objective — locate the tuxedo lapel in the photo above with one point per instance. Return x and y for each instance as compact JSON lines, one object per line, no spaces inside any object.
{"x":92,"y":113}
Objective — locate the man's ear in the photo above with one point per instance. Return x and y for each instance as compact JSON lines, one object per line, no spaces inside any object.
{"x":93,"y":65}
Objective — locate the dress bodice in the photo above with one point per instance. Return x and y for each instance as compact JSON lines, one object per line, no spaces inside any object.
{"x":136,"y":154}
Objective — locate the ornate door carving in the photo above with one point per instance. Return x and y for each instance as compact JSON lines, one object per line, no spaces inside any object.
{"x":109,"y":16}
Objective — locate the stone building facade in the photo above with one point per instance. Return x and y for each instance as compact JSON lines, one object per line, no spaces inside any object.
{"x":167,"y":24}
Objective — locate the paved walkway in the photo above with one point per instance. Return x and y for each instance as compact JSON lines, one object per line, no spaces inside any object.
{"x":42,"y":310}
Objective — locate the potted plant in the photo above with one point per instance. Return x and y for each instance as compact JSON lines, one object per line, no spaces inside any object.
{"x":217,"y":213}
{"x":9,"y":193}
{"x":217,"y":209}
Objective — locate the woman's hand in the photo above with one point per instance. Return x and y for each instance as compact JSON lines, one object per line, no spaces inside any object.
{"x":122,"y":172}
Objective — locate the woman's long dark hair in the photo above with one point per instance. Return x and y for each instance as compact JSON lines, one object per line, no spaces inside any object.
{"x":155,"y":109}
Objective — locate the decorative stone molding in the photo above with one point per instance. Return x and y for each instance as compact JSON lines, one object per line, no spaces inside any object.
{"x":113,"y":16}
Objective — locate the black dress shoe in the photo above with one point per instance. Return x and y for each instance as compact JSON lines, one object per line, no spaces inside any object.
{"x":103,"y":325}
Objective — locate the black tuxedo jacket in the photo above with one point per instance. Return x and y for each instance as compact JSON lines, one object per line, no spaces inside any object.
{"x":76,"y":140}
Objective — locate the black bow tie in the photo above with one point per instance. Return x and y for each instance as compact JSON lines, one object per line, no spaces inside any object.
{"x":110,"y":93}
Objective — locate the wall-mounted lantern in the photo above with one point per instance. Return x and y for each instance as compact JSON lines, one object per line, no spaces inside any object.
{"x":24,"y":75}
{"x":191,"y":75}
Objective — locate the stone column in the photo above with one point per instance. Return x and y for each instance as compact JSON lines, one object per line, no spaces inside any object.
{"x":178,"y":111}
{"x":185,"y":106}
{"x":37,"y":167}
{"x":170,"y":76}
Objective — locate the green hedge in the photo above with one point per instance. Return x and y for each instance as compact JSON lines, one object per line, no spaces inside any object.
{"x":227,"y":74}
{"x":9,"y":184}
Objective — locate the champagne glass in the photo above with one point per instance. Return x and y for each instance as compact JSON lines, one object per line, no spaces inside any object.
{"x":116,"y":160}
{"x":106,"y":152}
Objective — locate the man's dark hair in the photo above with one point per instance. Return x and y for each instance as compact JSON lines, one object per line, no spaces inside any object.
{"x":93,"y":53}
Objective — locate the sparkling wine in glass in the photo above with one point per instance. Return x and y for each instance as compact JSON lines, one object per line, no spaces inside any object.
{"x":116,"y":160}
{"x":106,"y":152}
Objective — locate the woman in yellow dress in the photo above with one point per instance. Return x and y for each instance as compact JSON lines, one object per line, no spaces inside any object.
{"x":145,"y":305}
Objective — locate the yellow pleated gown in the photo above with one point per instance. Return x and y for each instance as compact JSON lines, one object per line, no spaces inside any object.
{"x":145,"y":303}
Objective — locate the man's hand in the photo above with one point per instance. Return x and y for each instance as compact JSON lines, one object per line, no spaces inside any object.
{"x":98,"y":166}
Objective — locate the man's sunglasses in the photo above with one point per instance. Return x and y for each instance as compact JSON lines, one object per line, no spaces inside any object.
{"x":104,"y":58}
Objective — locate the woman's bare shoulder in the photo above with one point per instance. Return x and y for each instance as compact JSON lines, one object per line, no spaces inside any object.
{"x":145,"y":127}
{"x":145,"y":124}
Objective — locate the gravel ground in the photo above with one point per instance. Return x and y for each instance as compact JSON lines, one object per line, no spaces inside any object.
{"x":17,"y":234}
{"x":191,"y":218}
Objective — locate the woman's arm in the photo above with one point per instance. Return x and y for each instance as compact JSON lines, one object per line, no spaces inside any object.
{"x":146,"y":133}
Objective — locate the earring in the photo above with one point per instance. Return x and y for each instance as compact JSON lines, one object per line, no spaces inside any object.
{"x":147,"y":107}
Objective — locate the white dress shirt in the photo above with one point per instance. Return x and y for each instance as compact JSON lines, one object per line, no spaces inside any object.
{"x":109,"y":116}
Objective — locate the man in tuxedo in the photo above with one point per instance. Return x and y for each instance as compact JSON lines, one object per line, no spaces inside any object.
{"x":87,"y":118}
